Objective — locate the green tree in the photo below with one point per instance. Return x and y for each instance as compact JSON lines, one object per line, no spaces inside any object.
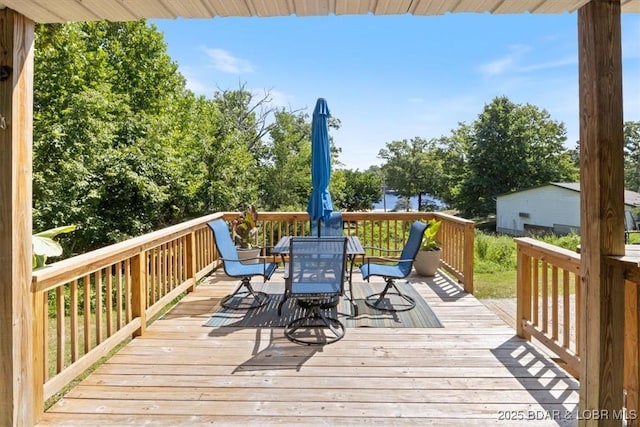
{"x":632,"y":155}
{"x":413,"y":168}
{"x":452,"y":151}
{"x":512,"y":147}
{"x":106,"y":98}
{"x":362,"y":190}
{"x":286,"y":168}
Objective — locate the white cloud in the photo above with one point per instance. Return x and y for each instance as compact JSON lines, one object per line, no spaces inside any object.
{"x":570,"y":60}
{"x":227,"y":63}
{"x":499,"y":66}
{"x":514,"y":63}
{"x":507,"y":63}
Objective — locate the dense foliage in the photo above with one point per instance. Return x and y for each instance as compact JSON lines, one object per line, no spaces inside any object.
{"x":632,"y":156}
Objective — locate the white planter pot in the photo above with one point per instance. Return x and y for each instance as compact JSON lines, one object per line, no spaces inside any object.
{"x":249,"y":253}
{"x":427,"y":262}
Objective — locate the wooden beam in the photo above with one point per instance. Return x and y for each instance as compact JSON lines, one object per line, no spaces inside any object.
{"x":16,"y":113}
{"x":601,"y":212}
{"x":631,"y":354}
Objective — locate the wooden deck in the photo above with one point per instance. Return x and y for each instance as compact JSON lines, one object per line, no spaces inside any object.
{"x":474,"y":371}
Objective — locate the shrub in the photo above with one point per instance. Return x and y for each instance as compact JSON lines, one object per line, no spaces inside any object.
{"x":569,"y":241}
{"x":494,"y":253}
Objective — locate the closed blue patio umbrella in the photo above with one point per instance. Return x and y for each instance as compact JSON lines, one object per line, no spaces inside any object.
{"x":320,"y":205}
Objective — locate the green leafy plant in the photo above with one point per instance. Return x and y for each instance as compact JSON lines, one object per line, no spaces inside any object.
{"x":44,"y":246}
{"x":429,"y":240}
{"x":245,"y":227}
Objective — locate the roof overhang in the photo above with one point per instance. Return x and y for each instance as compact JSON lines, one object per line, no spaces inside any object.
{"x":51,"y":11}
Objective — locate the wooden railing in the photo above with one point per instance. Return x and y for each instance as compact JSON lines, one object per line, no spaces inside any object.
{"x":86,"y":306}
{"x":383,"y":230}
{"x":548,"y":292}
{"x":548,"y":308}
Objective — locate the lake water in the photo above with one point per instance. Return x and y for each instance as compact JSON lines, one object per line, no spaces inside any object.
{"x":390,"y":200}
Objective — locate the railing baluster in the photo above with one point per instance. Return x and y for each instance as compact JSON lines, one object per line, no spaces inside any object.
{"x":87,"y":312}
{"x":60,"y":329}
{"x":120,"y":309}
{"x":98,"y":279}
{"x":73,"y":319}
{"x":566,"y":312}
{"x":536,"y":292}
{"x":128,"y":300}
{"x":545,"y":297}
{"x":44,"y":304}
{"x":554,"y":302}
{"x":577,"y":320}
{"x":109,"y":298}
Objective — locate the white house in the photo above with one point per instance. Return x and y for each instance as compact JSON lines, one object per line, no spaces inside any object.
{"x":554,"y":207}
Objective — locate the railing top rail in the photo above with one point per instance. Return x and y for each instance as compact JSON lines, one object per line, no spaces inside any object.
{"x":347,"y":216}
{"x":86,"y":263}
{"x":549,"y":252}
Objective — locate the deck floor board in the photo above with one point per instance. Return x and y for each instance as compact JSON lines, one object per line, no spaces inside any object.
{"x":474,"y":371}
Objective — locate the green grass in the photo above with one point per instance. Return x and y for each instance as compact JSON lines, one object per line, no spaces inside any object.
{"x":498,"y":284}
{"x":495,"y":267}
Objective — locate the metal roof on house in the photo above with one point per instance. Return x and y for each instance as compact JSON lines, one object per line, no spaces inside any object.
{"x":630,"y":197}
{"x":50,"y":11}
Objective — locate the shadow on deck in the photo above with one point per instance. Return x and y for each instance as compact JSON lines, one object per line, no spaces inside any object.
{"x":473,"y":371}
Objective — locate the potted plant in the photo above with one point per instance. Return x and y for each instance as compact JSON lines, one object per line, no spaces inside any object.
{"x":428,"y":257}
{"x":243,"y":230}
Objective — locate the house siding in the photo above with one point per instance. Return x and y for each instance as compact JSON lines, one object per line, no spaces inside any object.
{"x":548,"y":208}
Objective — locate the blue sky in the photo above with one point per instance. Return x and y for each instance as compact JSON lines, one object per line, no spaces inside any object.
{"x":397,"y":77}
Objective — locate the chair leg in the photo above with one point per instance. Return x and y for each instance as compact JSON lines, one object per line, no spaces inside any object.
{"x":315,"y":318}
{"x":379,"y":297}
{"x":285,"y":297}
{"x":245,"y":299}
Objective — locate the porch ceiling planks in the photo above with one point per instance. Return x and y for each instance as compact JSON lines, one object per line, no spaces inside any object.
{"x":473,"y":371}
{"x":50,"y":11}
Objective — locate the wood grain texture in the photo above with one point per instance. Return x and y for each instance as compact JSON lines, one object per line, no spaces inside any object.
{"x":16,"y":323}
{"x":601,"y":206}
{"x":471,"y":372}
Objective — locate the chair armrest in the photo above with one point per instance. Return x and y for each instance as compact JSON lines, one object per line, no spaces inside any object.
{"x":386,"y":259}
{"x":261,"y":259}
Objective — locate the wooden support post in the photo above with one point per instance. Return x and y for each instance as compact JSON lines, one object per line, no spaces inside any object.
{"x":139,"y":291}
{"x":601,"y":212}
{"x":631,"y":353}
{"x":17,"y":407}
{"x":523,"y":300}
{"x":191,"y":260}
{"x":469,"y":238}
